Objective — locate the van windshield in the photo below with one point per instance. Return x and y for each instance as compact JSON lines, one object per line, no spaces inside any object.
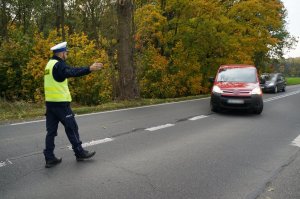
{"x":237,"y":75}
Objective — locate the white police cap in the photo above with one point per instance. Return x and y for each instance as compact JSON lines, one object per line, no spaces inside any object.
{"x":61,"y":47}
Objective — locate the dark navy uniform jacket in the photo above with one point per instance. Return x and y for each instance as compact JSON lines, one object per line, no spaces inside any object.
{"x":61,"y":71}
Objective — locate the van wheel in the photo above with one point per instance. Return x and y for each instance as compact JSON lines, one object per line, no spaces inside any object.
{"x":258,"y":110}
{"x":283,"y":89}
{"x":214,"y":108}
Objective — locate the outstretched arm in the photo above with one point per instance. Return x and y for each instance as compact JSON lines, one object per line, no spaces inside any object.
{"x":61,"y":71}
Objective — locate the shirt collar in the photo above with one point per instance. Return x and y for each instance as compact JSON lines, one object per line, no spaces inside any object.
{"x":57,"y":58}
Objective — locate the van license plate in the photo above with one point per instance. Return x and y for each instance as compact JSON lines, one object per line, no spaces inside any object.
{"x":235,"y":101}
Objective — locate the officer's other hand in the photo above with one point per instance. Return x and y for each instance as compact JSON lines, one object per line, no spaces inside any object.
{"x":96,"y":66}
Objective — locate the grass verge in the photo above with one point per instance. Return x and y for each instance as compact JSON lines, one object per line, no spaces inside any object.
{"x":23,"y":111}
{"x":292,"y":80}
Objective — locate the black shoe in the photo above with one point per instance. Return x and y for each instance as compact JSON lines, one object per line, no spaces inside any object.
{"x":52,"y":162}
{"x":85,"y":155}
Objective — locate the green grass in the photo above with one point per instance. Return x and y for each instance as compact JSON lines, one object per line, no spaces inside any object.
{"x":17,"y":111}
{"x":293,"y":80}
{"x":24,"y":111}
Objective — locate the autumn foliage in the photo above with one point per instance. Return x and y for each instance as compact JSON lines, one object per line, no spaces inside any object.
{"x":178,"y":45}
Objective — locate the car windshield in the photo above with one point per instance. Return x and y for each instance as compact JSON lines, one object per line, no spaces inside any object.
{"x":270,"y":77}
{"x":246,"y":74}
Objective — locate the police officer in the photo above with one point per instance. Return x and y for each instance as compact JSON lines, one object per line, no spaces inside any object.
{"x":58,"y":98}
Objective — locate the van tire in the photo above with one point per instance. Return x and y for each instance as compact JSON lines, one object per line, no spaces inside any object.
{"x":258,"y":110}
{"x":214,"y":108}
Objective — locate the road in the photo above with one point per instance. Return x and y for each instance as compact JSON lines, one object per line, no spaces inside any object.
{"x":175,"y":150}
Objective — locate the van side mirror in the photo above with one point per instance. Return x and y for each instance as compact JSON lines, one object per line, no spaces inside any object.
{"x":211,"y":79}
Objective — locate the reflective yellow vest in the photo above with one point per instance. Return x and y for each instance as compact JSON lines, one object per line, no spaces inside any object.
{"x":55,"y":91}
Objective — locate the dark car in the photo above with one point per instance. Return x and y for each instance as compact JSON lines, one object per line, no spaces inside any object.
{"x":236,"y":87}
{"x":272,"y":82}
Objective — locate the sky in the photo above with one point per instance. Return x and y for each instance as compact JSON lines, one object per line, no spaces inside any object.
{"x":293,"y":26}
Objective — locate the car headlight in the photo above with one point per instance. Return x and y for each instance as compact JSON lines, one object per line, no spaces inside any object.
{"x":256,"y":91}
{"x":216,"y":89}
{"x":271,"y":84}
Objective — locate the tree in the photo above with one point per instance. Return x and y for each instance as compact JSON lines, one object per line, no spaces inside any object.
{"x":127,"y":72}
{"x":260,"y":27}
{"x":14,"y":55}
{"x":177,"y":43}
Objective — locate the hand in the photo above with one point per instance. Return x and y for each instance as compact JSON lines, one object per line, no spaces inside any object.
{"x":96,"y":66}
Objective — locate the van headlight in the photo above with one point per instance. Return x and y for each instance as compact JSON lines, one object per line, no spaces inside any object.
{"x":216,"y":89}
{"x":256,"y":91}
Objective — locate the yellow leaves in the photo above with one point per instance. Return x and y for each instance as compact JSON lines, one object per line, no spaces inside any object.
{"x":150,"y":23}
{"x":83,"y":52}
{"x":258,"y":20}
{"x":33,"y":73}
{"x":194,"y":84}
{"x":164,"y":80}
{"x":91,"y":89}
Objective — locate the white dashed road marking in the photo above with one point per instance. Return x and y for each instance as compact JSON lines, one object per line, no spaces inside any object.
{"x":7,"y":162}
{"x":296,"y":141}
{"x":159,"y":127}
{"x":281,"y":96}
{"x":198,"y":117}
{"x":94,"y":142}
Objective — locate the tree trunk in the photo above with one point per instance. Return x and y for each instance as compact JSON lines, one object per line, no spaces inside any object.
{"x":58,"y":15}
{"x":60,"y":18}
{"x":4,"y":20}
{"x":62,"y":7}
{"x":127,"y":73}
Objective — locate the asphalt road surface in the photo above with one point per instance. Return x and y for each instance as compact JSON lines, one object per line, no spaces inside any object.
{"x":169,"y":151}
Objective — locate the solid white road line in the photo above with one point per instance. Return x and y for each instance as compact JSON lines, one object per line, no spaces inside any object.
{"x":94,"y":142}
{"x":30,"y":122}
{"x":159,"y":127}
{"x":296,"y":141}
{"x":140,"y":107}
{"x":125,"y":109}
{"x":98,"y":113}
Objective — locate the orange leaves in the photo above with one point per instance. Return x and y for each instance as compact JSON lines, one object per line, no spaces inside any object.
{"x":33,"y":73}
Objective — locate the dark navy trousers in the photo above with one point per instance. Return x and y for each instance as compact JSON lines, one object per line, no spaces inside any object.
{"x":63,"y":113}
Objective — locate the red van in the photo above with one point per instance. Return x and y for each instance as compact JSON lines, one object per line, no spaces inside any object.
{"x":236,"y":87}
